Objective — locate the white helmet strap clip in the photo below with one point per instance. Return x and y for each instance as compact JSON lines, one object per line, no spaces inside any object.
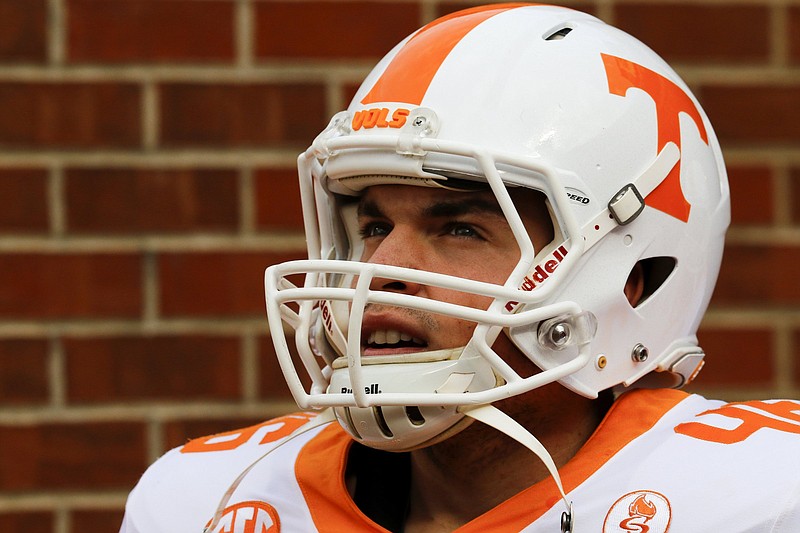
{"x":626,"y":205}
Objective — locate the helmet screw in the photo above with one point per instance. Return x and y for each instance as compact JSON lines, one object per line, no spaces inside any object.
{"x":559,"y":335}
{"x":419,"y":121}
{"x":601,"y":362}
{"x":640,"y":353}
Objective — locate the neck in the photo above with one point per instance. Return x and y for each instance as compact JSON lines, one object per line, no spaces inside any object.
{"x":461,"y":478}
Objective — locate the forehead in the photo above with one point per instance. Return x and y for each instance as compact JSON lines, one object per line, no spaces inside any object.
{"x":529,"y":202}
{"x":392,"y":197}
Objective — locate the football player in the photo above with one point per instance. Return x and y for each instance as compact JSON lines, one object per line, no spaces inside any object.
{"x":513,"y":232}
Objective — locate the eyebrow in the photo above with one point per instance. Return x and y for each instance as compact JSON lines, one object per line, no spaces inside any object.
{"x":441,"y":209}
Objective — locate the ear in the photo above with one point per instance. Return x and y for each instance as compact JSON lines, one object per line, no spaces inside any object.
{"x":634,"y":286}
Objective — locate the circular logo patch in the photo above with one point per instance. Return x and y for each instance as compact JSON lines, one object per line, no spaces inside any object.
{"x":642,"y":511}
{"x":247,"y":517}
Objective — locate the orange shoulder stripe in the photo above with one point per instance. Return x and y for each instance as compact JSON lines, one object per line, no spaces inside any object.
{"x":320,"y":473}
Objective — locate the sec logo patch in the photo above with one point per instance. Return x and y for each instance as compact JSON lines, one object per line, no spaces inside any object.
{"x":642,"y":511}
{"x":246,"y":517}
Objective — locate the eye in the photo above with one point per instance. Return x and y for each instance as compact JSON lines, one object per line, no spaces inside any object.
{"x":374,"y":229}
{"x":463,"y":230}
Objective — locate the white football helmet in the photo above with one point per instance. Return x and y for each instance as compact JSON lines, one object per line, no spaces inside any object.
{"x":504,"y":96}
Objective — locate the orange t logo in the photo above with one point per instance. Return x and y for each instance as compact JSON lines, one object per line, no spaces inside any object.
{"x":670,"y":101}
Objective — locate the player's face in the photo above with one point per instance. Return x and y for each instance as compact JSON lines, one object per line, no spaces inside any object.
{"x":462,"y":234}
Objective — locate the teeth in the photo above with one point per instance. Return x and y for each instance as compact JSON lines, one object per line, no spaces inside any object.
{"x":391,"y":336}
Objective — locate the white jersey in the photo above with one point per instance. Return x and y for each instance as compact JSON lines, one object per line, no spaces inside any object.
{"x":661,"y":461}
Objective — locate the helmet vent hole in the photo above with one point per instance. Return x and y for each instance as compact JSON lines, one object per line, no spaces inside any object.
{"x":382,"y":425}
{"x":348,"y":416}
{"x":415,"y":415}
{"x":558,"y":35}
{"x":656,"y":271}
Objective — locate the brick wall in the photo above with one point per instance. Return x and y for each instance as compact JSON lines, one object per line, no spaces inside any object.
{"x":146,"y":176}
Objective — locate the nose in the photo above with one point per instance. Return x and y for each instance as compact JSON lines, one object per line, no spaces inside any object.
{"x":400,"y":249}
{"x":394,"y":285}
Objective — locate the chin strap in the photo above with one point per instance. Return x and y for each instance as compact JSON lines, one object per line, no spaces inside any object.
{"x":325,"y":417}
{"x":494,"y":417}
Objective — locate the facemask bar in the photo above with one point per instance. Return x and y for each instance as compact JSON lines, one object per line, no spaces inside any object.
{"x":361,"y":295}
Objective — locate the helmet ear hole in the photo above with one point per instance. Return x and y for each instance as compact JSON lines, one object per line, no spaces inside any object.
{"x":654,"y":271}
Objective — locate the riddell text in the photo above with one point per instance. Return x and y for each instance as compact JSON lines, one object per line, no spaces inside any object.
{"x":372,"y":389}
{"x":540,"y":273}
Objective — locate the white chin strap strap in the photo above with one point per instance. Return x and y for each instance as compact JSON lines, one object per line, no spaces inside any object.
{"x":494,"y":417}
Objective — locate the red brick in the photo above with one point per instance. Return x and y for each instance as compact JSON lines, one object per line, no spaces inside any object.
{"x":69,"y":115}
{"x":93,"y":455}
{"x":273,"y":384}
{"x":148,"y":31}
{"x":761,"y":276}
{"x":751,"y":195}
{"x":95,"y":520}
{"x":694,"y":32}
{"x":24,"y":193}
{"x":795,"y":198}
{"x":278,"y":197}
{"x":124,"y":200}
{"x":27,"y":521}
{"x":349,"y":92}
{"x":66,"y":285}
{"x":737,"y":357}
{"x":209,"y":283}
{"x":794,"y":34}
{"x":330,"y":30}
{"x":23,"y":371}
{"x":23,"y":31}
{"x":124,"y":369}
{"x":754,"y":114}
{"x":179,"y":432}
{"x":241,"y":115}
{"x":796,"y":356}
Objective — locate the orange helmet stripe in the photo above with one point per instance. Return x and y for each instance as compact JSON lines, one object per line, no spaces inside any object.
{"x":408,"y":76}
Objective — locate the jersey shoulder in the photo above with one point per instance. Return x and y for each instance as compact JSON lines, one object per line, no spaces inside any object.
{"x":181,"y":490}
{"x":750,"y":423}
{"x":743,"y":425}
{"x":710,"y":465}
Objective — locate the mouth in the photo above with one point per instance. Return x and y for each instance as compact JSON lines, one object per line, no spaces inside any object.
{"x":392,"y":342}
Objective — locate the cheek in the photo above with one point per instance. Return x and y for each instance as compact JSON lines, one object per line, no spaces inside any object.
{"x":494,"y":268}
{"x":463,"y":299}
